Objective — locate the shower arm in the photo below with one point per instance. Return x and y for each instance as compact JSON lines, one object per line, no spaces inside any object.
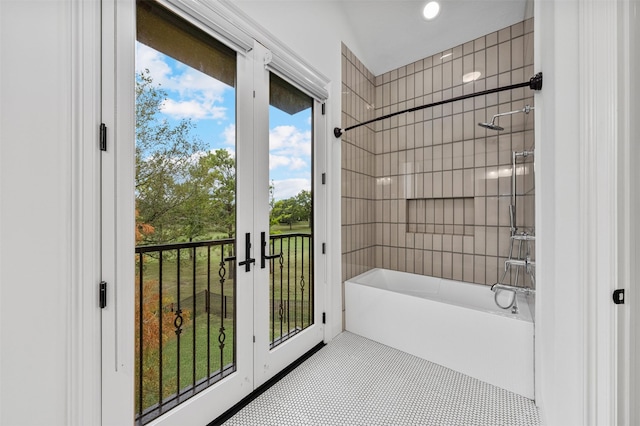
{"x":535,"y":83}
{"x":527,"y":109}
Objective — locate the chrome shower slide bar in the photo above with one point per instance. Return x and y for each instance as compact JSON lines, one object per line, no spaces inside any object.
{"x":512,"y":206}
{"x":535,"y":83}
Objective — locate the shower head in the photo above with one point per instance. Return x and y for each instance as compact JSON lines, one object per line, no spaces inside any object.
{"x":494,"y":126}
{"x":491,"y":126}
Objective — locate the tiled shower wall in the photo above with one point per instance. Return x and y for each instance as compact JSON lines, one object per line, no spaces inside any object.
{"x":358,"y":168}
{"x":429,"y":192}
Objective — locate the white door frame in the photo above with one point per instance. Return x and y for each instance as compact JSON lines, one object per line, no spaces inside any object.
{"x":84,"y":317}
{"x":578,"y":137}
{"x":118,"y":205}
{"x":598,"y":204}
{"x":628,"y":377}
{"x":118,"y":224}
{"x":608,"y":197}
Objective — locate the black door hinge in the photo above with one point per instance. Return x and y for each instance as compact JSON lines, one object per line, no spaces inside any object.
{"x":324,"y":178}
{"x":324,"y":317}
{"x":103,"y":137}
{"x":103,"y":294}
{"x":618,"y":297}
{"x":324,"y":248}
{"x":323,"y":109}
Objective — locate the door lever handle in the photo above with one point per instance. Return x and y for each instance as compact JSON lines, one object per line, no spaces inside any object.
{"x":248,"y":260}
{"x":263,"y":251}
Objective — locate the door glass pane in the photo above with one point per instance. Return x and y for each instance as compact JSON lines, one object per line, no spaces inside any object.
{"x":185,"y":211}
{"x":291,"y":217}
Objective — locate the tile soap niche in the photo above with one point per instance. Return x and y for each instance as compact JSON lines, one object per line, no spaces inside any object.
{"x":445,"y":216}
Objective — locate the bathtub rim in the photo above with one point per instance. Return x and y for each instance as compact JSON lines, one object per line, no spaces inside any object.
{"x":528,"y":301}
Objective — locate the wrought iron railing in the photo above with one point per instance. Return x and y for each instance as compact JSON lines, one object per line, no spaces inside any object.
{"x":291,"y":286}
{"x":185,"y":314}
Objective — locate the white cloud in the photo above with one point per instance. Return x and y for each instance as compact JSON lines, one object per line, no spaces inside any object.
{"x":293,"y":163}
{"x":150,"y":59}
{"x":290,"y":139}
{"x":289,"y":148}
{"x":193,"y":81}
{"x":197,"y":93}
{"x":192,"y":109}
{"x":288,"y":188}
{"x":229,"y":135}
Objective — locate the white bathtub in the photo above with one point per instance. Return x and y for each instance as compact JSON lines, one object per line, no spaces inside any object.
{"x":450,"y":323}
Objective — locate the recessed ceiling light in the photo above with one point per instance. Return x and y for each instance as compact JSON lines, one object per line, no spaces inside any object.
{"x":472,"y":76}
{"x":446,"y":55}
{"x":431,"y":10}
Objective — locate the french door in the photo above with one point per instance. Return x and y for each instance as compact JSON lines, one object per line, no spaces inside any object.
{"x":286,"y":307}
{"x":219,"y":293}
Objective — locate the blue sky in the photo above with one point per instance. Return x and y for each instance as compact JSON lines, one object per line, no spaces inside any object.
{"x":210,"y":104}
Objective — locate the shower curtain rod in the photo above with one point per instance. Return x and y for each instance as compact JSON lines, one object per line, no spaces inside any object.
{"x":535,"y":83}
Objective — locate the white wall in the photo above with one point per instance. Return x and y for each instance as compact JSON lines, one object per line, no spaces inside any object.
{"x":34,"y":211}
{"x":42,"y":154}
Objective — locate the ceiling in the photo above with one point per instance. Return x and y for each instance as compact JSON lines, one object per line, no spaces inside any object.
{"x":393,"y":33}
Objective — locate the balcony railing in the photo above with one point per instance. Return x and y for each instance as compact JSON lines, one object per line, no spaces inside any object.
{"x":291,"y":286}
{"x":185,"y":314}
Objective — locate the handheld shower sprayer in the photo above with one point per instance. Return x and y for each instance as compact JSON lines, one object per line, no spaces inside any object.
{"x":493,"y":126}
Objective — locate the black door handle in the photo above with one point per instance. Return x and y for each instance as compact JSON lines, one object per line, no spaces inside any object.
{"x":248,"y":261}
{"x":263,"y":251}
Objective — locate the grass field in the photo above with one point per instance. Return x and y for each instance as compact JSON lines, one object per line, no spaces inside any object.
{"x":205,"y":363}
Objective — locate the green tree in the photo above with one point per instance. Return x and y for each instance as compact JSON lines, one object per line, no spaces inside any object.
{"x":190,"y":217}
{"x":272,"y":201}
{"x":292,"y":210}
{"x":213,"y":181}
{"x":283,"y":212}
{"x":303,"y":203}
{"x":164,"y":156}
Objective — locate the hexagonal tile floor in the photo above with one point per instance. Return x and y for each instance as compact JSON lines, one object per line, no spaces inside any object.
{"x":356,"y":381}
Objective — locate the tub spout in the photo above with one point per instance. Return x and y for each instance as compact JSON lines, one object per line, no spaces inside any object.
{"x":513,"y":304}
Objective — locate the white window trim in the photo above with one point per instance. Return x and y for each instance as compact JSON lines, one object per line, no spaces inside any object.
{"x":211,"y":18}
{"x":228,"y":23}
